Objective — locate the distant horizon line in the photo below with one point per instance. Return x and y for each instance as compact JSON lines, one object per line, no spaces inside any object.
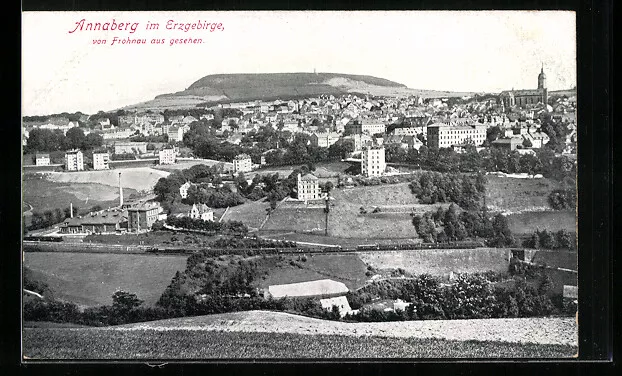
{"x":350,"y":74}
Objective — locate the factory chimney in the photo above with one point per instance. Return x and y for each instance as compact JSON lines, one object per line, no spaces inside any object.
{"x":120,"y":193}
{"x":71,"y":210}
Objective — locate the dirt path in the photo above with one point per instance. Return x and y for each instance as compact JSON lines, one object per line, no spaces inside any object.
{"x":552,"y":330}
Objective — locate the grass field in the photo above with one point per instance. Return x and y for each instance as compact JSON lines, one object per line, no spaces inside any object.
{"x":89,"y":279}
{"x":252,"y":213}
{"x":440,"y":262}
{"x":513,"y":195}
{"x":138,"y":178}
{"x":181,"y":344}
{"x":346,"y":268}
{"x":347,"y":221}
{"x":557,"y":259}
{"x":528,"y":222}
{"x":288,"y":218}
{"x":44,"y":194}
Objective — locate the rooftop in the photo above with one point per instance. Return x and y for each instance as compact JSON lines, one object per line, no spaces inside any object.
{"x":311,"y":288}
{"x":308,"y":177}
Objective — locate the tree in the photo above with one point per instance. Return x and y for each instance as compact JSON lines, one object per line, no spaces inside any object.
{"x":75,"y":138}
{"x":502,"y":236}
{"x":123,"y":302}
{"x":92,"y":141}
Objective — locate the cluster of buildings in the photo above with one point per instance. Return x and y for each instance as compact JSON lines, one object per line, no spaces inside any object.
{"x":128,"y":217}
{"x":75,"y":160}
{"x":362,"y":121}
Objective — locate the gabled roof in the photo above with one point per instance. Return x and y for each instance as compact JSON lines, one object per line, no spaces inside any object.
{"x":309,"y":177}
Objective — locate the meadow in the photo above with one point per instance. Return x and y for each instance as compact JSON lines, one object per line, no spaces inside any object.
{"x":44,"y":194}
{"x":528,"y":222}
{"x":90,"y":279}
{"x":516,"y":195}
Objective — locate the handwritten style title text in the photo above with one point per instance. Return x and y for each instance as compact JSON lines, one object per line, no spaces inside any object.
{"x":82,"y":25}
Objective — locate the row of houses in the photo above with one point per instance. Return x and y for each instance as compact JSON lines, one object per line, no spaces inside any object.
{"x":74,"y":159}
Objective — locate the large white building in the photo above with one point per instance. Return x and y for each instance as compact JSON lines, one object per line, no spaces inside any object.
{"x":167,"y":156}
{"x":308,"y":187}
{"x":242,"y":163}
{"x":100,"y":161}
{"x":373,"y":161}
{"x":442,"y":135}
{"x":74,"y":160}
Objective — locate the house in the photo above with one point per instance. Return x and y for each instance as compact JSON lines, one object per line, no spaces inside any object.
{"x":74,"y":160}
{"x":42,"y":159}
{"x":143,"y":216}
{"x":537,"y":139}
{"x":308,"y":187}
{"x":340,"y":302}
{"x":242,"y":163}
{"x":509,"y":143}
{"x":100,"y":160}
{"x":188,"y":120}
{"x":106,"y":221}
{"x":202,"y":212}
{"x":359,"y":141}
{"x":373,"y":161}
{"x":325,"y":139}
{"x":167,"y":155}
{"x":183,"y":190}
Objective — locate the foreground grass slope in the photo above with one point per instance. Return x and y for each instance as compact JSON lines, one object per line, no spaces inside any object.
{"x":182,"y":344}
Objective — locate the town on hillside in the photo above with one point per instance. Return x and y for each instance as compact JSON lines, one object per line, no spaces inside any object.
{"x":351,"y":208}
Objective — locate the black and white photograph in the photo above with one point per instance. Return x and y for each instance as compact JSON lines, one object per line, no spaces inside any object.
{"x":320,"y":185}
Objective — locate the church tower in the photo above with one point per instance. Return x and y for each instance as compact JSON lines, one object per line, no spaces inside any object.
{"x":542,"y":86}
{"x":542,"y":79}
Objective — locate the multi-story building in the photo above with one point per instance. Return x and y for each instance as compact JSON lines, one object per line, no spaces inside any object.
{"x":143,"y":216}
{"x":74,"y":160}
{"x":308,"y":187}
{"x":242,"y":163}
{"x":167,"y":156}
{"x":100,"y":161}
{"x":175,"y":134}
{"x":325,"y":139}
{"x":42,"y":159}
{"x":373,"y":161}
{"x":372,"y":127}
{"x":441,"y":135}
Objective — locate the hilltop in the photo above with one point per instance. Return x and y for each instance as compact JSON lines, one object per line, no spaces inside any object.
{"x":225,"y":88}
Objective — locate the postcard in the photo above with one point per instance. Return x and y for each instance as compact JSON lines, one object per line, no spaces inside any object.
{"x":299,"y":185}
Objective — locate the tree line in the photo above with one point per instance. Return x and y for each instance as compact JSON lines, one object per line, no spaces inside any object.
{"x":42,"y":140}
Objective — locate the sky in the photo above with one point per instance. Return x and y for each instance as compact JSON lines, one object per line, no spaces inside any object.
{"x":64,"y":71}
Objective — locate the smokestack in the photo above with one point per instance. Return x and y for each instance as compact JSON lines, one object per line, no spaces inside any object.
{"x":71,"y":210}
{"x":120,"y":192}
